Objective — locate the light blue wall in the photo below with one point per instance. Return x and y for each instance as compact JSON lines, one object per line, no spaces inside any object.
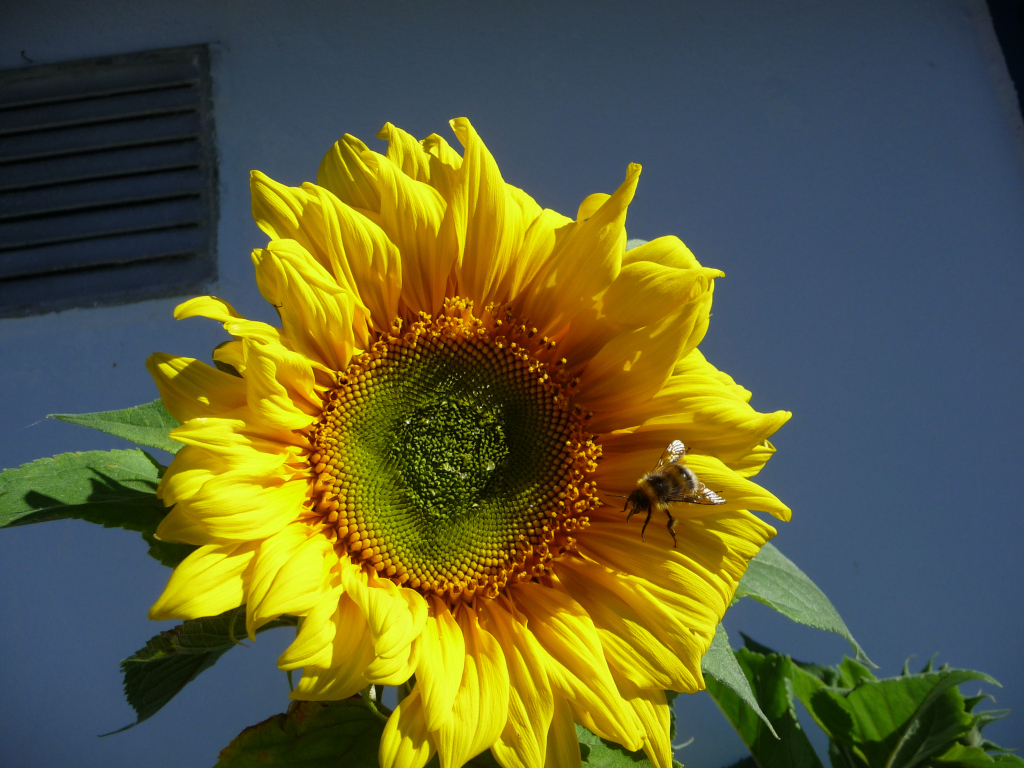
{"x":850,"y":166}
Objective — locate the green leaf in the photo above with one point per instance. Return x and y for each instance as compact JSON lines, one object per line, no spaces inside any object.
{"x":115,"y":489}
{"x":961,"y":756}
{"x":171,"y":660}
{"x":148,"y":424}
{"x":774,"y":580}
{"x":600,"y":753}
{"x":828,"y":675}
{"x":311,"y":734}
{"x":769,"y":678}
{"x":897,"y":722}
{"x":721,"y":666}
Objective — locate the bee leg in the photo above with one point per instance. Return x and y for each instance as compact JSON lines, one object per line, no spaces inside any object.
{"x":650,"y":511}
{"x":672,"y":522}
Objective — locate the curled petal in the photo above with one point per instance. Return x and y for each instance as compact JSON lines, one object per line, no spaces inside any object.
{"x":345,"y":658}
{"x":280,"y":386}
{"x":288,"y":575}
{"x":222,"y":312}
{"x":652,"y":708}
{"x":234,"y":506}
{"x":211,"y":580}
{"x":396,"y":615}
{"x":346,"y":172}
{"x":359,"y":255}
{"x":406,"y":742}
{"x":190,"y":388}
{"x":313,"y":642}
{"x":322,"y":321}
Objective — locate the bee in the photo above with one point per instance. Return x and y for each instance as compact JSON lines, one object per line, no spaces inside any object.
{"x":669,"y":482}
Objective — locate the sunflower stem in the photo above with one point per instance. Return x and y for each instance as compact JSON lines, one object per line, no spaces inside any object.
{"x":370,"y":700}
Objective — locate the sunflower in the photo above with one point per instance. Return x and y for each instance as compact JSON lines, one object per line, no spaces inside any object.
{"x":425,"y":462}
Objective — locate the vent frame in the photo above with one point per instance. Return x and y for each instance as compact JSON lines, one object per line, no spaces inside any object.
{"x":158,"y":174}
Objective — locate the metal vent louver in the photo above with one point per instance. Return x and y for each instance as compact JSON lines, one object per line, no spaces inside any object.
{"x":107,"y":180}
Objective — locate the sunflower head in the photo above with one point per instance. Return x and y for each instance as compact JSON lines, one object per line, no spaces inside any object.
{"x":425,"y":461}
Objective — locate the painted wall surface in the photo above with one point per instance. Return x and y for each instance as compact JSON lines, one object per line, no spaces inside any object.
{"x":848,"y":164}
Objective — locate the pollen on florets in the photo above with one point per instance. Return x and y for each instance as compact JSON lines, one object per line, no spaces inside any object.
{"x":450,"y":456}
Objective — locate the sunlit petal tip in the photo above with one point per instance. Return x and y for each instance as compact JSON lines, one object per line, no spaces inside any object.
{"x":206,"y":306}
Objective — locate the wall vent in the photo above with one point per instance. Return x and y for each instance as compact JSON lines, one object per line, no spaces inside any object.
{"x":107,"y":181}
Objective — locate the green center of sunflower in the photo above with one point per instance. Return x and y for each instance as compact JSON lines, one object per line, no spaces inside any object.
{"x":450,"y":458}
{"x":453,"y":454}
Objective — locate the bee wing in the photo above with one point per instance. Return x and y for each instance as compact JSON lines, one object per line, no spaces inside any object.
{"x":675,"y":451}
{"x":703,"y":495}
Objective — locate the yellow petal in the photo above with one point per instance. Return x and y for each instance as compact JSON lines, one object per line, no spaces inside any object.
{"x":345,"y":172}
{"x":190,"y":388}
{"x":481,"y":704}
{"x":236,"y":506}
{"x":288,"y":575}
{"x":523,"y":742}
{"x":575,"y":662}
{"x":313,"y":644}
{"x":222,"y":312}
{"x":642,"y":294}
{"x":207,"y":306}
{"x":634,"y":365}
{"x":563,"y":746}
{"x":693,"y":392}
{"x":586,"y":262}
{"x":211,"y":580}
{"x":543,"y":237}
{"x":652,"y":708}
{"x":239,"y":443}
{"x":406,"y":742}
{"x":351,"y":651}
{"x":359,"y":255}
{"x":396,"y":615}
{"x":529,"y":207}
{"x":714,"y":548}
{"x":279,"y":386}
{"x":441,"y":663}
{"x":677,"y":594}
{"x":280,"y":211}
{"x":411,"y":213}
{"x":406,"y":153}
{"x":191,"y":468}
{"x":668,"y":250}
{"x":320,"y":319}
{"x":632,"y":650}
{"x":230,"y":353}
{"x":444,"y":164}
{"x":484,"y":223}
{"x":590,"y":205}
{"x":726,"y":428}
{"x":613,"y":476}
